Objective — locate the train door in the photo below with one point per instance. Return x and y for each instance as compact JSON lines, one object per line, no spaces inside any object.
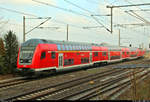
{"x":90,"y":57}
{"x":60,"y":60}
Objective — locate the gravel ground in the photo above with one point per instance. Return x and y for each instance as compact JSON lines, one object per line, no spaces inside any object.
{"x":37,"y":84}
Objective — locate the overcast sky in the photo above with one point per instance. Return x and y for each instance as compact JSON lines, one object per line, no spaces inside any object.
{"x":78,"y":16}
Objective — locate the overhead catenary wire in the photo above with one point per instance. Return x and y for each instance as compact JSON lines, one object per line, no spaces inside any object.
{"x":38,"y":25}
{"x":135,"y":16}
{"x":60,"y":8}
{"x":146,"y":21}
{"x":135,"y":6}
{"x":19,"y":12}
{"x":28,"y":14}
{"x":127,"y":13}
{"x":22,"y":13}
{"x":91,"y":13}
{"x":64,"y":9}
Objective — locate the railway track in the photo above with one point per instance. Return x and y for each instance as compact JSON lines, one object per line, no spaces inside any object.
{"x":59,"y":89}
{"x":83,"y":90}
{"x":112,"y":90}
{"x":63,"y":86}
{"x":4,"y":84}
{"x":9,"y":83}
{"x":87,"y":88}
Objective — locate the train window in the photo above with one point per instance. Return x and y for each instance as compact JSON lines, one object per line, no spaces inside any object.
{"x":123,"y":53}
{"x":67,"y":47}
{"x":77,"y":47}
{"x":82,"y":60}
{"x":70,"y":47}
{"x":95,"y":54}
{"x":63,"y":47}
{"x":72,"y":61}
{"x":66,"y":62}
{"x":86,"y":48}
{"x":104,"y":53}
{"x":83,"y":48}
{"x":43,"y":55}
{"x":69,"y":61}
{"x":87,"y":59}
{"x":53,"y":55}
{"x":80,"y":47}
{"x":73,"y":48}
{"x":59,"y":47}
{"x":127,"y":52}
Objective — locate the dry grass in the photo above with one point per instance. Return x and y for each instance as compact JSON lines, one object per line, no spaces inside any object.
{"x":142,"y":91}
{"x":147,"y":55}
{"x":3,"y":77}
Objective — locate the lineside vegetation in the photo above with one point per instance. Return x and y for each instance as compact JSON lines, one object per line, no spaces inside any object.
{"x":8,"y":53}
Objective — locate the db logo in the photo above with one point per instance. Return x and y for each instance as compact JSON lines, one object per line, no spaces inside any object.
{"x":24,"y":65}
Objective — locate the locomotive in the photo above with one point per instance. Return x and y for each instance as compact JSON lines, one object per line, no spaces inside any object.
{"x":40,"y":55}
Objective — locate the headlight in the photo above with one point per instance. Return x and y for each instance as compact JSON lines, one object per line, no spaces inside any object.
{"x":30,"y":61}
{"x":21,"y":61}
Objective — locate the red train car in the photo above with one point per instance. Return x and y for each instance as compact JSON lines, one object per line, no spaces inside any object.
{"x":39,"y":55}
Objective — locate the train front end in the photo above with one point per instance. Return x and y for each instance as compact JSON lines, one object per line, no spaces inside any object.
{"x":26,"y":58}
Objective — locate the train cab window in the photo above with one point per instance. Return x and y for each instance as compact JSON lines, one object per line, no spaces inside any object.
{"x":43,"y":55}
{"x":53,"y":55}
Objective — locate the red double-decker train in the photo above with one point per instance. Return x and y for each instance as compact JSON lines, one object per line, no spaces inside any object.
{"x":39,"y":55}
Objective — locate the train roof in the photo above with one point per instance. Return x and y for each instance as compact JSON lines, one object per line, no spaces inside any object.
{"x":35,"y":42}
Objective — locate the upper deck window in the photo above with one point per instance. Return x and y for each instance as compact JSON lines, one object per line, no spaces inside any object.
{"x":59,"y":47}
{"x":63,"y":47}
{"x":67,"y":47}
{"x":70,"y":47}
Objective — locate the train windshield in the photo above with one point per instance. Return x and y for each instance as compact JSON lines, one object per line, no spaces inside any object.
{"x":26,"y":54}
